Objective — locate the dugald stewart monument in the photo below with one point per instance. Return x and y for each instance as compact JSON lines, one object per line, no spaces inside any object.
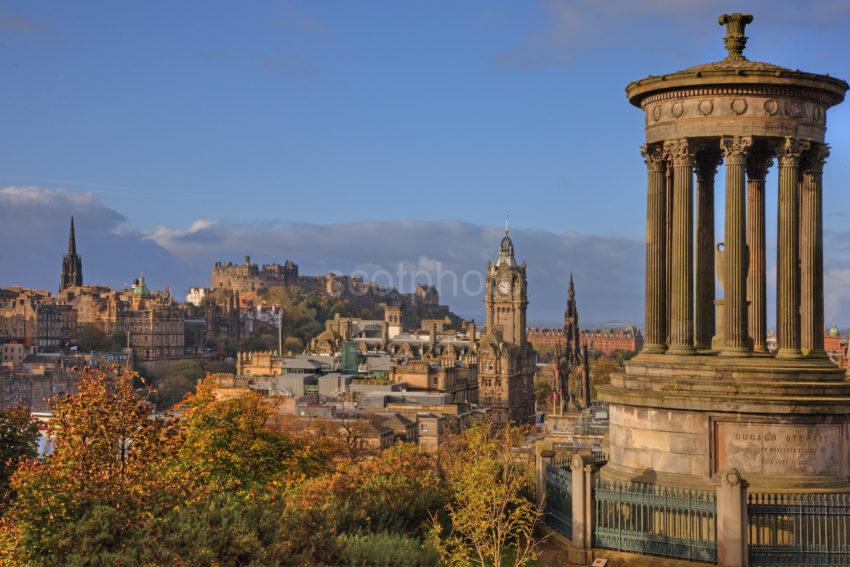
{"x":722,"y":448}
{"x":366,"y":386}
{"x":704,"y":395}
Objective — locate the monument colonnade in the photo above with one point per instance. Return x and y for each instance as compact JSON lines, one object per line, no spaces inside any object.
{"x":680,"y":261}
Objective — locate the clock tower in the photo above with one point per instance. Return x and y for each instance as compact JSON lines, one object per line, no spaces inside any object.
{"x":506,"y":296}
{"x":506,"y":360}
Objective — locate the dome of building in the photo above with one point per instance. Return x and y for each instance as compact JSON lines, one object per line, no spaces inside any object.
{"x":702,"y":100}
{"x":139,"y":287}
{"x":506,"y":251}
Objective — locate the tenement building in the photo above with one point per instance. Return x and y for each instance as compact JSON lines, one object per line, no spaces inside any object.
{"x":506,"y":360}
{"x":705,"y":404}
{"x":153,"y":323}
{"x":609,"y":341}
{"x":37,"y":319}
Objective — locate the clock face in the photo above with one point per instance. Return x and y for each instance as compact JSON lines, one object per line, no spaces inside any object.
{"x":504,"y":287}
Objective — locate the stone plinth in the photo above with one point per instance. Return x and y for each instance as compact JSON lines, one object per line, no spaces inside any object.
{"x":682,"y":420}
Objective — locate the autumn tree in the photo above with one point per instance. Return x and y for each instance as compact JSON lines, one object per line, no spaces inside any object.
{"x":601,"y":370}
{"x":231,"y":444}
{"x":18,"y":442}
{"x":107,"y":468}
{"x":488,"y":514}
{"x":395,"y":491}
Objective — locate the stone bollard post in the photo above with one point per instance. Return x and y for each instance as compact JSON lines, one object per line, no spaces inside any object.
{"x":544,"y":458}
{"x":583,"y":470}
{"x":732,"y":523}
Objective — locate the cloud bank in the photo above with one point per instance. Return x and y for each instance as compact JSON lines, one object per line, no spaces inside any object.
{"x":608,"y":270}
{"x":448,"y":253}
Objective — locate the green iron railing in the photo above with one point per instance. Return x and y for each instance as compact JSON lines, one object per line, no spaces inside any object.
{"x":559,"y":497}
{"x":656,"y":520}
{"x":799,"y":529}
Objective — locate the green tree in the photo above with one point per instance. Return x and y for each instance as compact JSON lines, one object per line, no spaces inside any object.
{"x":488,"y":514}
{"x":93,"y":339}
{"x":395,"y":491}
{"x":600,"y":372}
{"x":259,"y":342}
{"x":174,"y":383}
{"x":18,"y":442}
{"x":543,"y":393}
{"x":231,"y":444}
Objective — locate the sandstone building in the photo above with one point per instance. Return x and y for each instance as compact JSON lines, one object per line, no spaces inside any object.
{"x":506,"y":360}
{"x":609,"y":341}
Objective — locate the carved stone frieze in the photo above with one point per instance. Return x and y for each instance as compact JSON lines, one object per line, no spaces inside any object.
{"x":707,"y":160}
{"x":679,"y":151}
{"x":677,"y":109}
{"x":653,"y":155}
{"x":693,"y":114}
{"x":757,"y":164}
{"x":791,"y":150}
{"x":735,"y":146}
{"x":739,"y":106}
{"x":815,"y":158}
{"x":770,"y":107}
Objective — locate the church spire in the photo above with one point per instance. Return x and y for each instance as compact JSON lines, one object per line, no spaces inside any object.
{"x":72,"y":240}
{"x":72,"y":264}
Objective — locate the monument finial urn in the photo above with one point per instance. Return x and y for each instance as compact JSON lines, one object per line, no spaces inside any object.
{"x":735,"y":40}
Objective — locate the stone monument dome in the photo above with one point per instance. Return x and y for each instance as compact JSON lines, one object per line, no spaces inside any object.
{"x":760,"y":98}
{"x":706,"y":394}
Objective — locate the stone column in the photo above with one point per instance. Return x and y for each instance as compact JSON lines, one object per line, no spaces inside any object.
{"x":735,"y":332}
{"x":787,"y":251}
{"x":582,"y":544}
{"x":544,"y":458}
{"x":655,"y":311}
{"x":668,"y":244}
{"x":811,"y":253}
{"x":682,"y":256}
{"x":732,"y":520}
{"x":706,"y":167}
{"x":757,"y":166}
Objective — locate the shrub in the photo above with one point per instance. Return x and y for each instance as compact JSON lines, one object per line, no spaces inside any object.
{"x":385,"y":550}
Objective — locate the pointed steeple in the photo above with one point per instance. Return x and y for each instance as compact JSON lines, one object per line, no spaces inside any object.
{"x":72,"y":240}
{"x":72,"y":264}
{"x":572,"y":333}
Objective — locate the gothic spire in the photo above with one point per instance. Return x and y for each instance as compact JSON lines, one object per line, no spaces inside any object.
{"x":72,"y":240}
{"x":72,"y":265}
{"x":572,"y":333}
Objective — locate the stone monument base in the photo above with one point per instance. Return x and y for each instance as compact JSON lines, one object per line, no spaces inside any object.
{"x":680,"y":420}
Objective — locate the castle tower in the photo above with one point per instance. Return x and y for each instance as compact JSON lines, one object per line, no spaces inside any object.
{"x":72,"y":264}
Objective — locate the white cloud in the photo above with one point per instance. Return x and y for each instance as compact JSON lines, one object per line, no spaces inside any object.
{"x":451,"y":254}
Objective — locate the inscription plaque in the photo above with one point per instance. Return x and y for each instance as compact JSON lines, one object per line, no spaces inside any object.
{"x":779,"y":449}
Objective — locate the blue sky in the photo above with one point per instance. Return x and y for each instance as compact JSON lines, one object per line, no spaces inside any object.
{"x":346,"y":112}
